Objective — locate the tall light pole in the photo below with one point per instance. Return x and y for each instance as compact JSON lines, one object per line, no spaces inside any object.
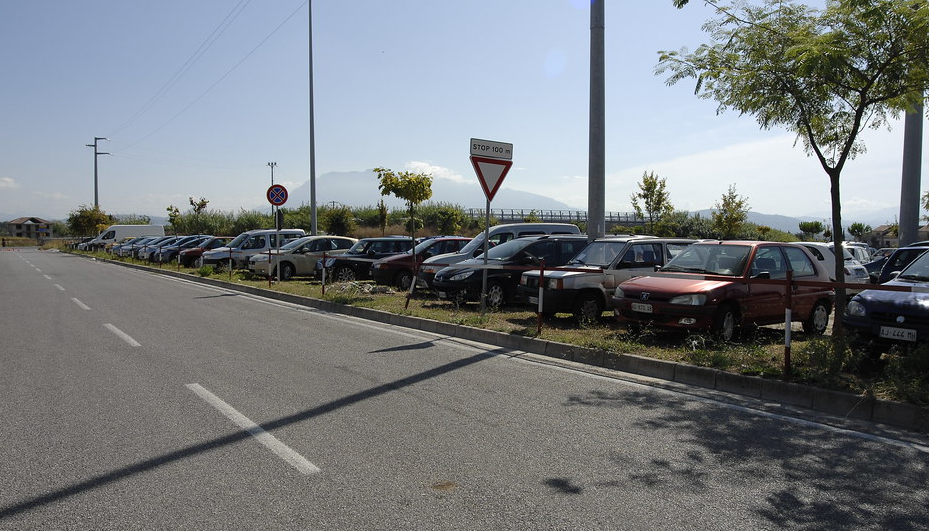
{"x":96,"y":154}
{"x":272,"y":165}
{"x":596,"y":172}
{"x":312,"y":133}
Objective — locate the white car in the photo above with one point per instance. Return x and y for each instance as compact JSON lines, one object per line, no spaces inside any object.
{"x":248,"y":244}
{"x":298,"y":257}
{"x":855,"y":272}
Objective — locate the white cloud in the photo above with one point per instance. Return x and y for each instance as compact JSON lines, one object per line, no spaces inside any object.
{"x":8,"y":183}
{"x":437,"y":172}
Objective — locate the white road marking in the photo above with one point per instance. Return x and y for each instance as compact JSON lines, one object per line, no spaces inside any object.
{"x":80,"y":304}
{"x":269,"y":441}
{"x":59,"y":287}
{"x":125,"y":337}
{"x":47,"y":277}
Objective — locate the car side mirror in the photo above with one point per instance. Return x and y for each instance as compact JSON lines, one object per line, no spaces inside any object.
{"x":893,"y":274}
{"x":477,"y":252}
{"x":657,"y":268}
{"x":763,"y":275}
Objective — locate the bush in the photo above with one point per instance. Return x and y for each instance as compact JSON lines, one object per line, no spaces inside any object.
{"x":907,"y":375}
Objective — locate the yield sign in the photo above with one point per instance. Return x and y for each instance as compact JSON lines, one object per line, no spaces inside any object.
{"x":491,"y":173}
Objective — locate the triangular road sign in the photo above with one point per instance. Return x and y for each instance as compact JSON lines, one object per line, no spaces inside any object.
{"x":491,"y":173}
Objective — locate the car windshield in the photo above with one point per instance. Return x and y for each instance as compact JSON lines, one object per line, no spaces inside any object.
{"x":599,"y":254}
{"x":712,"y":259}
{"x":238,"y":240}
{"x":294,"y":243}
{"x":506,"y":250}
{"x":918,"y":269}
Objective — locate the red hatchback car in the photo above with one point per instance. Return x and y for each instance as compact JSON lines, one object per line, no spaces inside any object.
{"x":680,"y":296}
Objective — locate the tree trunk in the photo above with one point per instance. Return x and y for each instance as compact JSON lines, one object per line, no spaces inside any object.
{"x":838,"y":330}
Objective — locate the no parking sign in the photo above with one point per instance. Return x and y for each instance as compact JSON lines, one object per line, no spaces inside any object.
{"x":277,"y":195}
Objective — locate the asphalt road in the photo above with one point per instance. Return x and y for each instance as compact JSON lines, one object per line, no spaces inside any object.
{"x":130,"y":400}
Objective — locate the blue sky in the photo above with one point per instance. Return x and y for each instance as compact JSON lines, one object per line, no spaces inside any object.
{"x":197,"y":97}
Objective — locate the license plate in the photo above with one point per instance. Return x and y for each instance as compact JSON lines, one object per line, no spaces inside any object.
{"x":641,"y":307}
{"x":903,"y":334}
{"x":533,"y":300}
{"x":442,"y":295}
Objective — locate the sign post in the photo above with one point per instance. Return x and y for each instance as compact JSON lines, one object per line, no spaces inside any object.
{"x":491,"y":161}
{"x":277,"y":196}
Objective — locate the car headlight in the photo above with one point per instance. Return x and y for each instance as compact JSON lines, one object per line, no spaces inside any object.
{"x":330,"y":262}
{"x":376,"y":266}
{"x":856,"y":309}
{"x":554,"y":283}
{"x":461,"y":276}
{"x":428,"y":269}
{"x":694,"y":299}
{"x":619,"y":293}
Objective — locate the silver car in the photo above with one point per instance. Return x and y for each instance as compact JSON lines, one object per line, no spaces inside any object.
{"x":298,"y":257}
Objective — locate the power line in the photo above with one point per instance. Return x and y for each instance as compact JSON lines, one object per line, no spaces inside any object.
{"x":188,"y":64}
{"x":222,"y":78}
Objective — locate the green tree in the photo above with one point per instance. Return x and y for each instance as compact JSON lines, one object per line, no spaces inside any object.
{"x":824,"y":75}
{"x":809,"y":229}
{"x":858,"y":230}
{"x":382,"y":216}
{"x":340,"y":221}
{"x":730,"y":213}
{"x":656,"y":201}
{"x":414,"y":188}
{"x":88,"y":221}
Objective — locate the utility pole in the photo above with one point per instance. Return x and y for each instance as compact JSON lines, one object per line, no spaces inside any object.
{"x":596,"y":170}
{"x":908,"y":224}
{"x":96,"y":154}
{"x":312,"y":132}
{"x":272,"y":165}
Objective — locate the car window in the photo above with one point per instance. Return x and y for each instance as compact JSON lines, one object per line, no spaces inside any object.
{"x":671,"y":249}
{"x":341,"y":243}
{"x":816,"y":252}
{"x":800,"y":263}
{"x":255,"y":242}
{"x":641,"y":255}
{"x":769,"y":260}
{"x":598,"y":253}
{"x":570,"y":248}
{"x":544,"y":250}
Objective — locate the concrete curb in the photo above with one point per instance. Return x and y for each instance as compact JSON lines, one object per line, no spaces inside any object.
{"x":847,"y":405}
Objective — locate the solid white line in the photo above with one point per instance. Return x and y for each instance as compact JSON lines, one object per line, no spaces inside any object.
{"x":80,"y":304}
{"x":125,"y":337}
{"x":47,"y":277}
{"x":269,"y":441}
{"x":59,"y":287}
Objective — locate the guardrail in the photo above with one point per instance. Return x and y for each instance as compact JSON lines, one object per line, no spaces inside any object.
{"x":510,"y":215}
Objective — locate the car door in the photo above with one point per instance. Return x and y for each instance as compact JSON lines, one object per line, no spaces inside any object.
{"x":765,"y":302}
{"x":802,"y":297}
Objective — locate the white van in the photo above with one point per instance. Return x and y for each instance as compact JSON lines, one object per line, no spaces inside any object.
{"x":237,"y":252}
{"x":495,"y":235}
{"x":117,"y":233}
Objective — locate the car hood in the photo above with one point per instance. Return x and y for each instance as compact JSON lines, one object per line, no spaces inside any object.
{"x":897,"y":301}
{"x":557,"y":273}
{"x":673,"y":285}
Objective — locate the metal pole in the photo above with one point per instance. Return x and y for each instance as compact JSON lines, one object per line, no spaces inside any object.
{"x":912,"y":168}
{"x":484,"y":271}
{"x":96,"y":154}
{"x":272,"y":165}
{"x":596,"y":178}
{"x":312,"y":134}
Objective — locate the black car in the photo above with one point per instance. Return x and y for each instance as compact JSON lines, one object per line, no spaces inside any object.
{"x":356,"y":263}
{"x":894,"y":317}
{"x":463,"y":281}
{"x":896,"y":262}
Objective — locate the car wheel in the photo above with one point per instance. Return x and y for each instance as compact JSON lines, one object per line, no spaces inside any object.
{"x":224,"y":265}
{"x":198,"y":263}
{"x":287,"y":271}
{"x":344,"y":274}
{"x":724,"y":323}
{"x":818,"y":319}
{"x":496,"y":295}
{"x":588,"y":308}
{"x":403,"y":280}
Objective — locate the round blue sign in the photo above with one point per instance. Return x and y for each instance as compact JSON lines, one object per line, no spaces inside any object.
{"x":277,"y":195}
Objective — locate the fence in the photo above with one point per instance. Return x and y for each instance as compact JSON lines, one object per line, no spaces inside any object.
{"x":514,"y":215}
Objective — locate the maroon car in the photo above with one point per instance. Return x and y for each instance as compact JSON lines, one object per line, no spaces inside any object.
{"x":193,"y":255}
{"x":679,"y":295}
{"x":398,"y":271}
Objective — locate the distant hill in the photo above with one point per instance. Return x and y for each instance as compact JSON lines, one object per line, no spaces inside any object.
{"x":775,"y":221}
{"x":359,"y":189}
